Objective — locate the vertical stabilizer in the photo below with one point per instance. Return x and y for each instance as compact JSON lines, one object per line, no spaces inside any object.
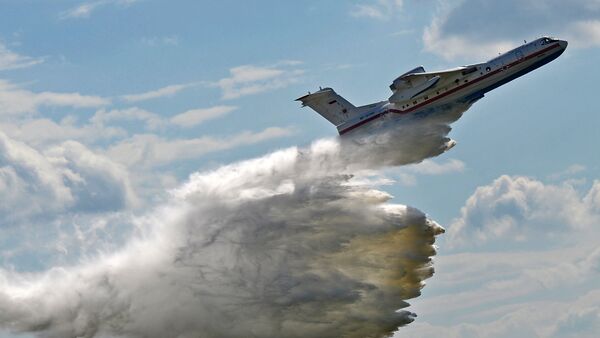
{"x":330,"y":105}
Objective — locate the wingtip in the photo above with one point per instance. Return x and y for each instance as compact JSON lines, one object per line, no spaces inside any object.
{"x":302,"y":97}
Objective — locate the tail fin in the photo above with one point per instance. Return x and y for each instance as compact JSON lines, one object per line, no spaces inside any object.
{"x":330,"y":105}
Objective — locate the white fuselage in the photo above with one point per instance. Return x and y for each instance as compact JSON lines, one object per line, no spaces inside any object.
{"x":467,"y":84}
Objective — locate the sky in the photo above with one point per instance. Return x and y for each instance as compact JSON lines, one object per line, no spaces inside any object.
{"x":108,"y":106}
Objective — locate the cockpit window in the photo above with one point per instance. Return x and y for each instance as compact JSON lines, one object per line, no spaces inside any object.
{"x":547,"y":40}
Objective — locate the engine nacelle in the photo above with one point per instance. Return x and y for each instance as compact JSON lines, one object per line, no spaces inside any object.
{"x":398,"y":82}
{"x":413,"y":87}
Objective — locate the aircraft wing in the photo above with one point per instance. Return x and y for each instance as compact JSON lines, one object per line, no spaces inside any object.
{"x":416,"y":81}
{"x":414,"y":77}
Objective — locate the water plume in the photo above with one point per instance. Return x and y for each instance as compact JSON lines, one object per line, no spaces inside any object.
{"x":290,"y":244}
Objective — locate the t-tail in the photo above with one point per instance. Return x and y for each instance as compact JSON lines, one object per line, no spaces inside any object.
{"x":333,"y":107}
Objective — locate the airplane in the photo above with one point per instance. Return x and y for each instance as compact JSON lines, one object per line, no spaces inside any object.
{"x":417,"y":92}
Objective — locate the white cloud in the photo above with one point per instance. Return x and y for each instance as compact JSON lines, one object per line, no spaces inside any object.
{"x":98,"y":183}
{"x":151,"y":150}
{"x":402,"y":32}
{"x":248,"y":79}
{"x":431,"y":167}
{"x":578,"y":322}
{"x":568,"y":172}
{"x":66,"y":177}
{"x":170,"y":40}
{"x":161,"y":92}
{"x":194,"y":117}
{"x":44,"y":131}
{"x":584,"y":33}
{"x":407,"y":175}
{"x":473,"y":29}
{"x":152,"y":121}
{"x":377,"y":9}
{"x":474,"y":281}
{"x":85,"y":10}
{"x":12,"y":60}
{"x":524,"y":293}
{"x":29,"y":178}
{"x":544,"y":319}
{"x":545,"y":287}
{"x":520,"y":209}
{"x":75,"y":100}
{"x":15,"y":100}
{"x":457,"y":46}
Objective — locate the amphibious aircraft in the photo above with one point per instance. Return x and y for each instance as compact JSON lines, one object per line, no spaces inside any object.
{"x":417,"y":93}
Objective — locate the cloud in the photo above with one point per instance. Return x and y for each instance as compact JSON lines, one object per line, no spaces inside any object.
{"x":151,"y":120}
{"x":456,"y":46}
{"x":474,"y":281}
{"x":27,"y":176}
{"x":431,"y":167}
{"x":379,"y":9}
{"x":573,"y":169}
{"x":15,"y":100}
{"x":520,"y":209}
{"x":12,"y":60}
{"x":522,"y":260}
{"x":98,"y":183}
{"x":478,"y":28}
{"x":584,"y":34}
{"x":151,"y":150}
{"x":544,"y":319}
{"x":66,"y":177}
{"x":169,"y":40}
{"x":43,"y":131}
{"x":85,"y":10}
{"x":513,"y":293}
{"x":246,"y":249}
{"x":407,"y":175}
{"x":578,"y":323}
{"x":499,"y":294}
{"x":195,"y":117}
{"x":161,"y":92}
{"x":249,"y":79}
{"x":107,"y":125}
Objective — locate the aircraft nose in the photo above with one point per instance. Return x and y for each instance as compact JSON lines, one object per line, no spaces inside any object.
{"x":563,"y":44}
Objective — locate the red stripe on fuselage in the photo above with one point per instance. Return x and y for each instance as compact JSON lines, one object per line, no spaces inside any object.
{"x":452,"y":91}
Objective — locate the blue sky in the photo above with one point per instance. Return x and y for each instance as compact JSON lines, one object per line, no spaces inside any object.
{"x":106,"y":105}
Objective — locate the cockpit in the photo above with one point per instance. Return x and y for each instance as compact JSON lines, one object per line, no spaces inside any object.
{"x":546,"y":40}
